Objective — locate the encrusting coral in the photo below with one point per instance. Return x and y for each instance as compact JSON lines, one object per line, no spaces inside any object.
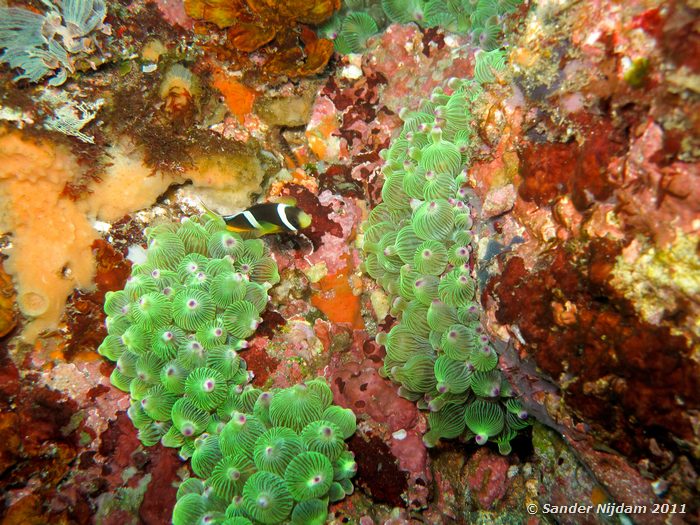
{"x":418,"y":244}
{"x":279,"y":29}
{"x":280,"y":458}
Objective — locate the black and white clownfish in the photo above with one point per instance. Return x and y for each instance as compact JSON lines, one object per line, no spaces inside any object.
{"x":268,"y":218}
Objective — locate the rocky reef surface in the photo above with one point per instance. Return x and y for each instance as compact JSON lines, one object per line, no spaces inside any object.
{"x":586,"y":186}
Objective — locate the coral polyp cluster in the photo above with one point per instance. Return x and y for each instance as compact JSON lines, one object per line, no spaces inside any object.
{"x":418,"y":244}
{"x":360,"y":19}
{"x":279,"y":458}
{"x":50,"y":44}
{"x":176,"y":328}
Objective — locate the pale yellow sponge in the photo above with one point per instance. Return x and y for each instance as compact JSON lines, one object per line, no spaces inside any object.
{"x":224,"y":182}
{"x":127,"y":185}
{"x":660,"y":280}
{"x":51,"y":236}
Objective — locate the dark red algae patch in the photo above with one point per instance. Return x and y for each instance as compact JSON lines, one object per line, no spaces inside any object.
{"x":272,"y":320}
{"x":262,"y":363}
{"x":320,"y":214}
{"x":552,"y":169}
{"x":84,"y":314}
{"x":338,"y":179}
{"x":40,"y":442}
{"x":377,"y":471}
{"x":163,"y":466}
{"x":118,"y":443}
{"x":630,"y":380}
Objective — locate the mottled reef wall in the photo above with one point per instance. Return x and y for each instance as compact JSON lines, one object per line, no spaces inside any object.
{"x":588,"y":177}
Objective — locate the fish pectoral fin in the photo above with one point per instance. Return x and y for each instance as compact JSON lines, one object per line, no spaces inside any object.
{"x":289,"y":201}
{"x":267,"y":228}
{"x":235,"y":229}
{"x":208,"y":211}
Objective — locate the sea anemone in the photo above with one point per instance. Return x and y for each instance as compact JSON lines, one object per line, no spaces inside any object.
{"x":309,"y":475}
{"x":241,"y":433}
{"x":206,"y":388}
{"x":229,"y":475}
{"x":206,"y":454}
{"x":179,"y":90}
{"x":241,"y":319}
{"x":189,"y":509}
{"x":323,"y":437}
{"x":192,"y":308}
{"x":295,"y":407}
{"x":158,"y":403}
{"x":276,"y":448}
{"x":188,"y":418}
{"x":343,"y":418}
{"x":266,"y":498}
{"x":485,"y":419}
{"x":166,"y":340}
{"x":357,"y":28}
{"x":447,"y":423}
{"x":310,"y":512}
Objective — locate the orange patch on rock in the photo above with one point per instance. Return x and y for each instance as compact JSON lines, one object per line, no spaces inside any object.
{"x":317,"y":137}
{"x":299,"y":178}
{"x":8,"y":312}
{"x":598,"y":496}
{"x":336,"y":300}
{"x":239,"y":98}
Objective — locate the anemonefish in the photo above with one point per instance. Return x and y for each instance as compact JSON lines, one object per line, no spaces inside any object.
{"x":268,"y":218}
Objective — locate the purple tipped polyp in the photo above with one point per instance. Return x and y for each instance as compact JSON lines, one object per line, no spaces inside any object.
{"x":481,"y":439}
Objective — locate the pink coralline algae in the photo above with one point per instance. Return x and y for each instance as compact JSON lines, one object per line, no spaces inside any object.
{"x":487,"y":478}
{"x":357,"y":385}
{"x":174,"y":13}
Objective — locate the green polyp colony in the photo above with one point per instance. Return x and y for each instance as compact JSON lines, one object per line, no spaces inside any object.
{"x":177,"y":327}
{"x":175,"y":333}
{"x":418,"y":244}
{"x":280,"y":457}
{"x":358,"y":20}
